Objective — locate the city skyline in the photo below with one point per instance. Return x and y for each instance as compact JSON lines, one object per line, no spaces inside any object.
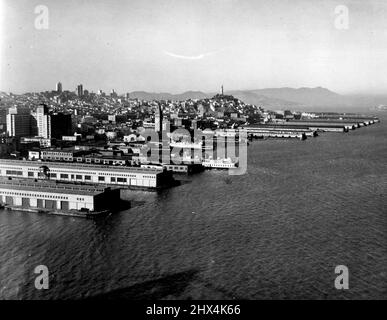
{"x":175,"y":47}
{"x":181,"y":152}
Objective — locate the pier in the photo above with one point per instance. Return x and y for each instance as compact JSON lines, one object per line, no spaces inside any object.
{"x":58,"y":198}
{"x":307,"y":127}
{"x":279,"y":131}
{"x":131,"y":177}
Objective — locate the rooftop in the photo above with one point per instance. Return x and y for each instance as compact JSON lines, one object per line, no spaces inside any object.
{"x":50,"y":186}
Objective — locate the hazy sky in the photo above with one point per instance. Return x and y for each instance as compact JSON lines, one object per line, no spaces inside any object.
{"x":178,"y":45}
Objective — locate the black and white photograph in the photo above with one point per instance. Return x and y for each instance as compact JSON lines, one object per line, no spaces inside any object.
{"x":175,"y":150}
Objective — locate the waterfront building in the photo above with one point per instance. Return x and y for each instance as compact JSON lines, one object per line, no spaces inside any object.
{"x":29,"y":194}
{"x":86,"y":173}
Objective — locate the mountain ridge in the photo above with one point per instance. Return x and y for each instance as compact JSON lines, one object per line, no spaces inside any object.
{"x":301,"y":99}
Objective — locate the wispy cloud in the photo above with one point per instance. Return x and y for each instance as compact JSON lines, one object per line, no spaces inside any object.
{"x":197,"y":57}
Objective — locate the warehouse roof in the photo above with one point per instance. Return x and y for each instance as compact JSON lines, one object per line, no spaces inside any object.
{"x":50,"y":187}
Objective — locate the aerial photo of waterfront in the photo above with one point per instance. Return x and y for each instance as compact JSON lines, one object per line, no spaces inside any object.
{"x":164,"y":164}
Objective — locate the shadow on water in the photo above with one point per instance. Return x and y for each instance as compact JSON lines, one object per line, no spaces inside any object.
{"x":135,"y":203}
{"x":173,"y":284}
{"x":184,"y":181}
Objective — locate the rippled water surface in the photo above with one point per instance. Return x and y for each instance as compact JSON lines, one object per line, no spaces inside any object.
{"x":278,"y":231}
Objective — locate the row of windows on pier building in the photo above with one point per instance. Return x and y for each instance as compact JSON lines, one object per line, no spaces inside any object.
{"x":128,"y":179}
{"x":36,"y":195}
{"x":57,"y":156}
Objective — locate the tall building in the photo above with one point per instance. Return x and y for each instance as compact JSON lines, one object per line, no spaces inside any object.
{"x":59,"y":87}
{"x":80,"y":90}
{"x":61,"y":125}
{"x":43,"y":122}
{"x":3,"y":119}
{"x":50,"y":125}
{"x":158,"y":119}
{"x":113,"y":94}
{"x":18,"y":122}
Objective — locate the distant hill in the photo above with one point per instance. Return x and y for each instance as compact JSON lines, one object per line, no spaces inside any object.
{"x":305,"y":96}
{"x":302,"y":99}
{"x":193,"y":95}
{"x":322,"y":99}
{"x":275,"y":98}
{"x":142,"y":95}
{"x":252,"y":97}
{"x":3,"y":94}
